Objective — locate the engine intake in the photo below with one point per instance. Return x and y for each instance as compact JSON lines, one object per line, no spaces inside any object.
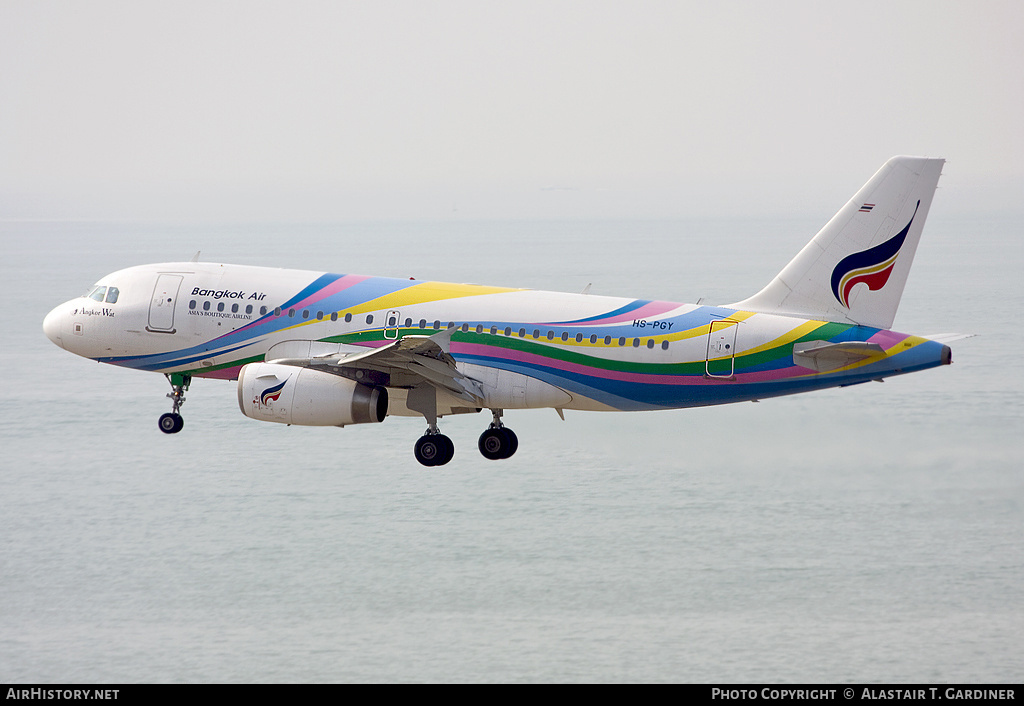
{"x":292,"y":395}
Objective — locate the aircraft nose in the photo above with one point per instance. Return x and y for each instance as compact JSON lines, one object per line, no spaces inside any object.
{"x":52,"y":325}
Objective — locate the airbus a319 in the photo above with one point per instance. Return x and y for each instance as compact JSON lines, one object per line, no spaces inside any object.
{"x":322,"y":349}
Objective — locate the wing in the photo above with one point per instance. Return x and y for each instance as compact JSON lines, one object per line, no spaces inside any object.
{"x":407,"y":362}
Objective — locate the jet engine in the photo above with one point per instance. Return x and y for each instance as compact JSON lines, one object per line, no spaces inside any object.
{"x":292,"y":395}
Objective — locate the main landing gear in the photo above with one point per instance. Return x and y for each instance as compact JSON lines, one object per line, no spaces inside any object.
{"x":497,"y":442}
{"x":434,"y":448}
{"x":172,"y":422}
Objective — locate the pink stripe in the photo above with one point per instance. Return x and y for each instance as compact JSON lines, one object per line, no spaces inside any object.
{"x":650,"y":379}
{"x":646,"y":311}
{"x":333,"y":288}
{"x":225,"y":374}
{"x":888,"y":339}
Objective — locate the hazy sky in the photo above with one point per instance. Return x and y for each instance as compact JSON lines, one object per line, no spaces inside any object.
{"x":332,"y":110}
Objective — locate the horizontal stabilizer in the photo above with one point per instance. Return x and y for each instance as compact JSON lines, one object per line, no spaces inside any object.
{"x":824,"y":357}
{"x":950,"y":337}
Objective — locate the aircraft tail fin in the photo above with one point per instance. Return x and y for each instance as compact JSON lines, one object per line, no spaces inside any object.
{"x":855,"y":268}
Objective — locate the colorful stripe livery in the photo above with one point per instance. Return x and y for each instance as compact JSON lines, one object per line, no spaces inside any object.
{"x":607,"y":353}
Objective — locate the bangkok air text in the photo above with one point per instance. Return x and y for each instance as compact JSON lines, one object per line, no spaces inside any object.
{"x":226,"y":294}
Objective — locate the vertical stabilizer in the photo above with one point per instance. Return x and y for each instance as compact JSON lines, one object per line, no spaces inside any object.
{"x":855,"y":268}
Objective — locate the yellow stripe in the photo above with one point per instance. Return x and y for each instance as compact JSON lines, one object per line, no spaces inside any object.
{"x":786,"y":338}
{"x":427,"y":292}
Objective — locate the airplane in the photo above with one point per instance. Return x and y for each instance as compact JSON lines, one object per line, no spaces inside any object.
{"x":323,"y":349}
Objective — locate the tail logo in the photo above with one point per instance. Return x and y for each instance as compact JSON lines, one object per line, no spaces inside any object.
{"x":871,"y":267}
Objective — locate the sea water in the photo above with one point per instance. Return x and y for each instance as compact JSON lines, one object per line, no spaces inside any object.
{"x":867,"y":534}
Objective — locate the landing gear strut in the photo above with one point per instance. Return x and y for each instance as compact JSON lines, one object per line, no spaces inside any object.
{"x":433,"y":448}
{"x":171,"y":423}
{"x":498,"y":441}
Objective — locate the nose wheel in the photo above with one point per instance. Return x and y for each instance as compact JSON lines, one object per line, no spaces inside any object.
{"x":172,"y":422}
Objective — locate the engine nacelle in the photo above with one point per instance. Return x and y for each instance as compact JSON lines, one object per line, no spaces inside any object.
{"x":293,"y":395}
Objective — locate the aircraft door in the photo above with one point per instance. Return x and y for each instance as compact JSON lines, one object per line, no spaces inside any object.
{"x":721,"y":354}
{"x":391,"y":325}
{"x":161,"y":306}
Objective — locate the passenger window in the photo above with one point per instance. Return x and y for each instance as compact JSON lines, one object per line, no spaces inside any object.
{"x":291,"y":313}
{"x":522,"y":333}
{"x":369,"y":318}
{"x":664,"y":345}
{"x":423,"y":323}
{"x":334,"y":316}
{"x":112,"y":293}
{"x":305,"y":313}
{"x":206,"y":306}
{"x":319,"y":316}
{"x":579,"y":338}
{"x":565,"y":335}
{"x":234,"y":308}
{"x":494,"y":330}
{"x":277,"y":311}
{"x":551,"y":335}
{"x":508,"y":330}
{"x":248,"y":308}
{"x":607,"y":340}
{"x":622,"y":341}
{"x":593,"y":338}
{"x":220,"y":306}
{"x":192,"y":304}
{"x":437,"y":325}
{"x":348,"y":318}
{"x":650,"y":343}
{"x":263,"y":311}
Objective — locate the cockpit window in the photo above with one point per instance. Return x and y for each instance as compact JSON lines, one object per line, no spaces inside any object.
{"x":98,"y":293}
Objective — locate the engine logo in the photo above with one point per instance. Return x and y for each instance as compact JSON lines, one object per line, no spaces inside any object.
{"x":269,"y":396}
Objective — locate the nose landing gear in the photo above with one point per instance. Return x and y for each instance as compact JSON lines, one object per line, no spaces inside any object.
{"x":172,"y":422}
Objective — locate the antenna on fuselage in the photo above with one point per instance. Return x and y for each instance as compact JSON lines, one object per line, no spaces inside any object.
{"x":195,"y":258}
